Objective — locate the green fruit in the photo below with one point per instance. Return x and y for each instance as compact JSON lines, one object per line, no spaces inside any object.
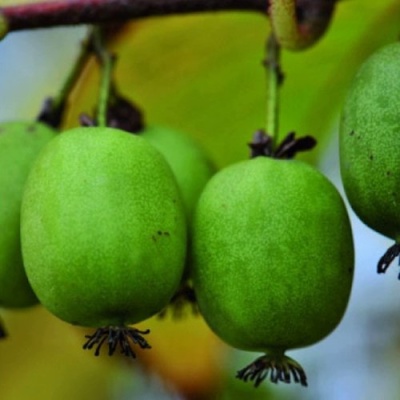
{"x":191,"y":166}
{"x":273,"y":260}
{"x":103,"y":228}
{"x":20,"y":143}
{"x":192,"y":169}
{"x":369,"y":137}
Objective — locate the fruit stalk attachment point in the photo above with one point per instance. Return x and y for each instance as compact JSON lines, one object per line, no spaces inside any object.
{"x":115,"y":336}
{"x":279,"y":368}
{"x":265,"y":142}
{"x":123,"y":113}
{"x":262,"y":145}
{"x":113,"y":109}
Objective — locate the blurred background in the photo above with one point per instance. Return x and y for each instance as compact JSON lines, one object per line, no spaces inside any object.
{"x":203,"y":75}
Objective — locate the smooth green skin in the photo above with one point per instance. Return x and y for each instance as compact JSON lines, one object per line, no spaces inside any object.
{"x":369,"y":140}
{"x":191,"y":166}
{"x":273,"y":255}
{"x":20,"y":144}
{"x":103,"y":228}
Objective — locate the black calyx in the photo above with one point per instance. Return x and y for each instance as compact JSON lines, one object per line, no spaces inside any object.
{"x":117,"y":336}
{"x":279,"y":369}
{"x":50,"y":114}
{"x":262,"y":145}
{"x":291,"y":145}
{"x":183,"y":298}
{"x":391,"y":253}
{"x":121,"y":114}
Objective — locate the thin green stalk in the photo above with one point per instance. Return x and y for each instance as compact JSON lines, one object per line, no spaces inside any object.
{"x":274,"y":78}
{"x":59,"y":100}
{"x":54,"y":107}
{"x":107,"y":64}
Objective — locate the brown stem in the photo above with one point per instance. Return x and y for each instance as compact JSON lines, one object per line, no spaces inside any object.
{"x":310,"y":14}
{"x":72,"y":12}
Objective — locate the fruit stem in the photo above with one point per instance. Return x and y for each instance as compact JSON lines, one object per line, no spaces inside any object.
{"x":114,"y":336}
{"x":274,"y":80}
{"x":280,"y":368}
{"x":41,"y":14}
{"x":107,"y":62}
{"x":53,"y":107}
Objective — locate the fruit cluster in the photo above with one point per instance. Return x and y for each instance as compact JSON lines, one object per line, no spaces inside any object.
{"x":102,"y":219}
{"x":114,"y":224}
{"x":108,"y":225}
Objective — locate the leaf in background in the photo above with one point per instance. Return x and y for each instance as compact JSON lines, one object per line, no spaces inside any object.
{"x":186,"y":355}
{"x":203,"y":74}
{"x":317,"y":79}
{"x":42,"y":358}
{"x":198,"y":74}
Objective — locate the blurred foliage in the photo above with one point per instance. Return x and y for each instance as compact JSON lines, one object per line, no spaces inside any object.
{"x":202,"y":74}
{"x":42,"y":358}
{"x":15,"y":2}
{"x":188,"y":356}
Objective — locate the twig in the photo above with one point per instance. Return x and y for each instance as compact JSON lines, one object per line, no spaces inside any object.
{"x":74,"y":12}
{"x":311,"y":16}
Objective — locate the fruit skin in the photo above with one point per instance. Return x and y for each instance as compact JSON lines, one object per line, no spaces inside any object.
{"x":192,"y":170}
{"x":20,"y":144}
{"x":273,"y":255}
{"x":191,"y":166}
{"x":369,"y":137}
{"x":103,"y":228}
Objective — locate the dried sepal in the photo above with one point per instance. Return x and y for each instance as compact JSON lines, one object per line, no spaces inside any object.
{"x":279,"y":369}
{"x":114,"y":336}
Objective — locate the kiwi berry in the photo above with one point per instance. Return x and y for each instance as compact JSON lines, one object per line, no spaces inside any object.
{"x":369,"y":137}
{"x":272,"y":261}
{"x":20,"y":144}
{"x":103,"y":232}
